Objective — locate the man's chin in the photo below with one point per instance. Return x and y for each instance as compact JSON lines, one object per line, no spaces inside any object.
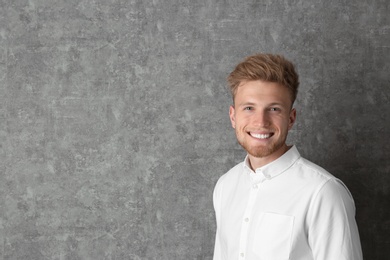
{"x":259,"y":152}
{"x":263,"y":152}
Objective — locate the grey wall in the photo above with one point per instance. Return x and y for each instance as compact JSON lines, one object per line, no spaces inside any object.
{"x":114,"y":118}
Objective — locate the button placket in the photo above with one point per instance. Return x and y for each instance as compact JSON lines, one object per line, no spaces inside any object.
{"x":246,"y":220}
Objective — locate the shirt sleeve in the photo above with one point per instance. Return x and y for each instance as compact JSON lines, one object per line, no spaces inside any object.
{"x":216,"y":203}
{"x":332,"y":228}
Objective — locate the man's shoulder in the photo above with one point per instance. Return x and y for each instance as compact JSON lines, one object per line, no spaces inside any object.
{"x":313,"y":169}
{"x":317,"y":176}
{"x":233,"y":173}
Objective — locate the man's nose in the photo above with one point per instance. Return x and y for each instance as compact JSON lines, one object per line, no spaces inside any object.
{"x":261,"y":119}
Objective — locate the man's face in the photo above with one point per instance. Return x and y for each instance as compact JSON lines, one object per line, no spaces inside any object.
{"x":262,"y":117}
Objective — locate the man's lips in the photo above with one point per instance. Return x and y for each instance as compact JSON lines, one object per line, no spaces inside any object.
{"x":261,"y":136}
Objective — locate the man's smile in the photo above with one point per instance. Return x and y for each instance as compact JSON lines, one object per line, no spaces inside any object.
{"x":261,"y":136}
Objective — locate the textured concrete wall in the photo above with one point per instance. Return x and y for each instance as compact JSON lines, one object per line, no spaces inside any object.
{"x":114,"y":117}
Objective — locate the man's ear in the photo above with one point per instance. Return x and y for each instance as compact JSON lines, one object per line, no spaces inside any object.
{"x":232,"y":115}
{"x":293,"y":117}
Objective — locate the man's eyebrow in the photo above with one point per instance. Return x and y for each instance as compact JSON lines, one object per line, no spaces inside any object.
{"x":246,"y":104}
{"x":276,"y":104}
{"x":253,"y":104}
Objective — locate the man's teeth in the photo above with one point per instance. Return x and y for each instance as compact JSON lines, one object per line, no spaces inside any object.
{"x":261,"y":136}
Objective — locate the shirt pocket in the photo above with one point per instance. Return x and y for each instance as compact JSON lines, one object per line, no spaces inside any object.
{"x":272,"y":237}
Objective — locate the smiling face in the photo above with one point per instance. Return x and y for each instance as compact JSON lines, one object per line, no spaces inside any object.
{"x":262,"y":117}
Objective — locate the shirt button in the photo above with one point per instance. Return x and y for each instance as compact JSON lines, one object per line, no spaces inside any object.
{"x":255,"y":186}
{"x":246,"y":219}
{"x":242,"y":255}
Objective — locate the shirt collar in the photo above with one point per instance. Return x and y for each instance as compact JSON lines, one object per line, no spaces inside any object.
{"x":275,"y":167}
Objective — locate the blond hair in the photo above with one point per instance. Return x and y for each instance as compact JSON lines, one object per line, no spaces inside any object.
{"x":265,"y":67}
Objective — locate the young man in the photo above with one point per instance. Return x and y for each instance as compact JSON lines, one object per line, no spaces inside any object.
{"x":276,"y":205}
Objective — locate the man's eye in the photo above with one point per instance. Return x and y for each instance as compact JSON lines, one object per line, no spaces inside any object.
{"x":248,"y":108}
{"x":274,"y":109}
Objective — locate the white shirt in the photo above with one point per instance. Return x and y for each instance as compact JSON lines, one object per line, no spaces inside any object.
{"x":289,"y":209}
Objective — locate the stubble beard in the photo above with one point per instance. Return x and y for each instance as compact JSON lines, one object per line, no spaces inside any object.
{"x":260,"y":151}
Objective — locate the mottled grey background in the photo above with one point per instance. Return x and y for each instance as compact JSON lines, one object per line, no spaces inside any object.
{"x":114,"y":117}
